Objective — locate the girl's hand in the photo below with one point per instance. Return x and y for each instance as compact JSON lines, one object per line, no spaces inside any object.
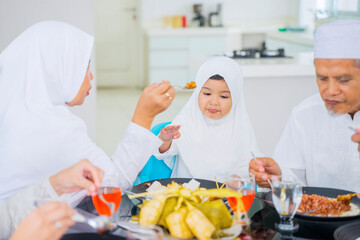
{"x":169,"y":133}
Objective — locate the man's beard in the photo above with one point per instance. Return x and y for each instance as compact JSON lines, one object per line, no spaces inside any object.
{"x":332,"y":112}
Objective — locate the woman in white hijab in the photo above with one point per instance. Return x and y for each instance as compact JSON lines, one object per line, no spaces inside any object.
{"x":216,"y":133}
{"x":42,"y":71}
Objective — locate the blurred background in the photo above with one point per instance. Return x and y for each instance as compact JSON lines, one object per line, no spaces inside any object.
{"x":139,"y":42}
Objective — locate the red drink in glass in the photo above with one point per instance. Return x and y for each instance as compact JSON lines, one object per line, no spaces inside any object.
{"x":247,"y":200}
{"x":110,"y":195}
{"x":244,"y":184}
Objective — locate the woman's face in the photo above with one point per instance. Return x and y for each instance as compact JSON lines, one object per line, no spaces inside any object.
{"x":215,"y":99}
{"x":84,"y":90}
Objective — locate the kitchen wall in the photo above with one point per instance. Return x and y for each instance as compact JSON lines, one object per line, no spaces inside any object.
{"x":235,"y":12}
{"x":17,"y":15}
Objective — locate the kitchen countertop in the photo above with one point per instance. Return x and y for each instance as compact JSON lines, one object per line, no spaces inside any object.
{"x":213,"y":31}
{"x":299,"y":65}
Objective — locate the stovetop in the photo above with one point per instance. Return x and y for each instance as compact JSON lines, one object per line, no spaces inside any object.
{"x":262,"y":52}
{"x":259,"y":53}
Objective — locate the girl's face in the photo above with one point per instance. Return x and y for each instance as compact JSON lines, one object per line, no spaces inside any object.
{"x":215,"y":99}
{"x":84,"y":90}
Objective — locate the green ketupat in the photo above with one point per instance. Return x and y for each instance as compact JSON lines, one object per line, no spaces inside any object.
{"x":217,"y":213}
{"x":177,"y":225}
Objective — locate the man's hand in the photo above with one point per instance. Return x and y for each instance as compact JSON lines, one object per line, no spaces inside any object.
{"x":83,"y":175}
{"x":48,"y":222}
{"x":154,"y":99}
{"x":356,"y":138}
{"x":264,"y":169}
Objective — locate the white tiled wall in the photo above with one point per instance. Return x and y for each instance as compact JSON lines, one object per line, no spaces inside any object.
{"x":17,"y":15}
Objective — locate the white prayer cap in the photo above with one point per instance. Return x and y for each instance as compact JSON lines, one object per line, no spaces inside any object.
{"x":338,"y":39}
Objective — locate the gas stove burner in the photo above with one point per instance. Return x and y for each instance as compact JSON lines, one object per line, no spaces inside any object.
{"x":246,"y":53}
{"x":272,"y":53}
{"x":259,"y":53}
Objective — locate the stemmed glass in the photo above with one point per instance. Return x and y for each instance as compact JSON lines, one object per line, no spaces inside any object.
{"x":286,"y":198}
{"x":245,"y":184}
{"x":108,"y":198}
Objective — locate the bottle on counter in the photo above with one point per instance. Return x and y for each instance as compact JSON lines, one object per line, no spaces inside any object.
{"x":198,"y":20}
{"x":215,"y":17}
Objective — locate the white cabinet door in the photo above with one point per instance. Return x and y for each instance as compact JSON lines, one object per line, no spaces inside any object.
{"x":177,"y":76}
{"x":116,"y":42}
{"x":170,"y":57}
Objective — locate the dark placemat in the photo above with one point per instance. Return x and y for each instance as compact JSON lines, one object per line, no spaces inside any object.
{"x":349,"y":231}
{"x":91,"y":236}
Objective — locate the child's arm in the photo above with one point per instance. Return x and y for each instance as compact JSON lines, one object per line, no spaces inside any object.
{"x":167,"y":134}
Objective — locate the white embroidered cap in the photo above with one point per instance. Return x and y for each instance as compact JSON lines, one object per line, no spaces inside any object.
{"x":338,"y":39}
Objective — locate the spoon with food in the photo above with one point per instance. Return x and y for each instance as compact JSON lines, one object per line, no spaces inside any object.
{"x":346,"y":199}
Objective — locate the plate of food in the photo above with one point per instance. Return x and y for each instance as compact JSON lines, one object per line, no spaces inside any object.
{"x":320,"y":226}
{"x":320,"y":203}
{"x":187,"y":208}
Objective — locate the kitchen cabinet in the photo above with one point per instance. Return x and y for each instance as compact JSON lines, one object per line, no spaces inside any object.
{"x":169,"y":55}
{"x":292,"y":42}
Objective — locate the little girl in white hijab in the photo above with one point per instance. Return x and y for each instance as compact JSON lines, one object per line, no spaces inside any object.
{"x":216,"y":133}
{"x":42,"y":71}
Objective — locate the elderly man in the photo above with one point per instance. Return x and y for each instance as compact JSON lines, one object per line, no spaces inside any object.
{"x":316,"y":148}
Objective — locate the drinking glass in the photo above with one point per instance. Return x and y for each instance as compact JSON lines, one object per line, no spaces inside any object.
{"x":286,"y":198}
{"x":108,"y":197}
{"x":245,"y":184}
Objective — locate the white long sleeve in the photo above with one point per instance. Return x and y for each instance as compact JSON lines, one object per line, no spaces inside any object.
{"x":316,"y":148}
{"x":16,"y":208}
{"x":133,"y":152}
{"x":129,"y":158}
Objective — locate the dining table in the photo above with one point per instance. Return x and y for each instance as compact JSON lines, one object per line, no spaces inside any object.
{"x":262,"y":217}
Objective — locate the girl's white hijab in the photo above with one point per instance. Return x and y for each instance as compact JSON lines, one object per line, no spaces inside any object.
{"x":219,"y":147}
{"x":40,"y":71}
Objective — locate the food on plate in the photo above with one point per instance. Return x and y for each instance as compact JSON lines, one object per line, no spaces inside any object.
{"x":177,"y":225}
{"x":217,"y":213}
{"x":324,"y":206}
{"x":187,"y":210}
{"x":190,"y":85}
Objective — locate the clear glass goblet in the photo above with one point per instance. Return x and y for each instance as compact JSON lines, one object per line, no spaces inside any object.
{"x":286,"y":198}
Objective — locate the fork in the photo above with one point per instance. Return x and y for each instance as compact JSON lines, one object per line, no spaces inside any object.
{"x":253,"y":155}
{"x":101,"y":224}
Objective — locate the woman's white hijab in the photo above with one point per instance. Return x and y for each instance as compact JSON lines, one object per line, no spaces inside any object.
{"x":40,"y":71}
{"x":219,"y":147}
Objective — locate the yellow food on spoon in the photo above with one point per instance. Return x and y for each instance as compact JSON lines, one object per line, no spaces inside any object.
{"x":191,"y":85}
